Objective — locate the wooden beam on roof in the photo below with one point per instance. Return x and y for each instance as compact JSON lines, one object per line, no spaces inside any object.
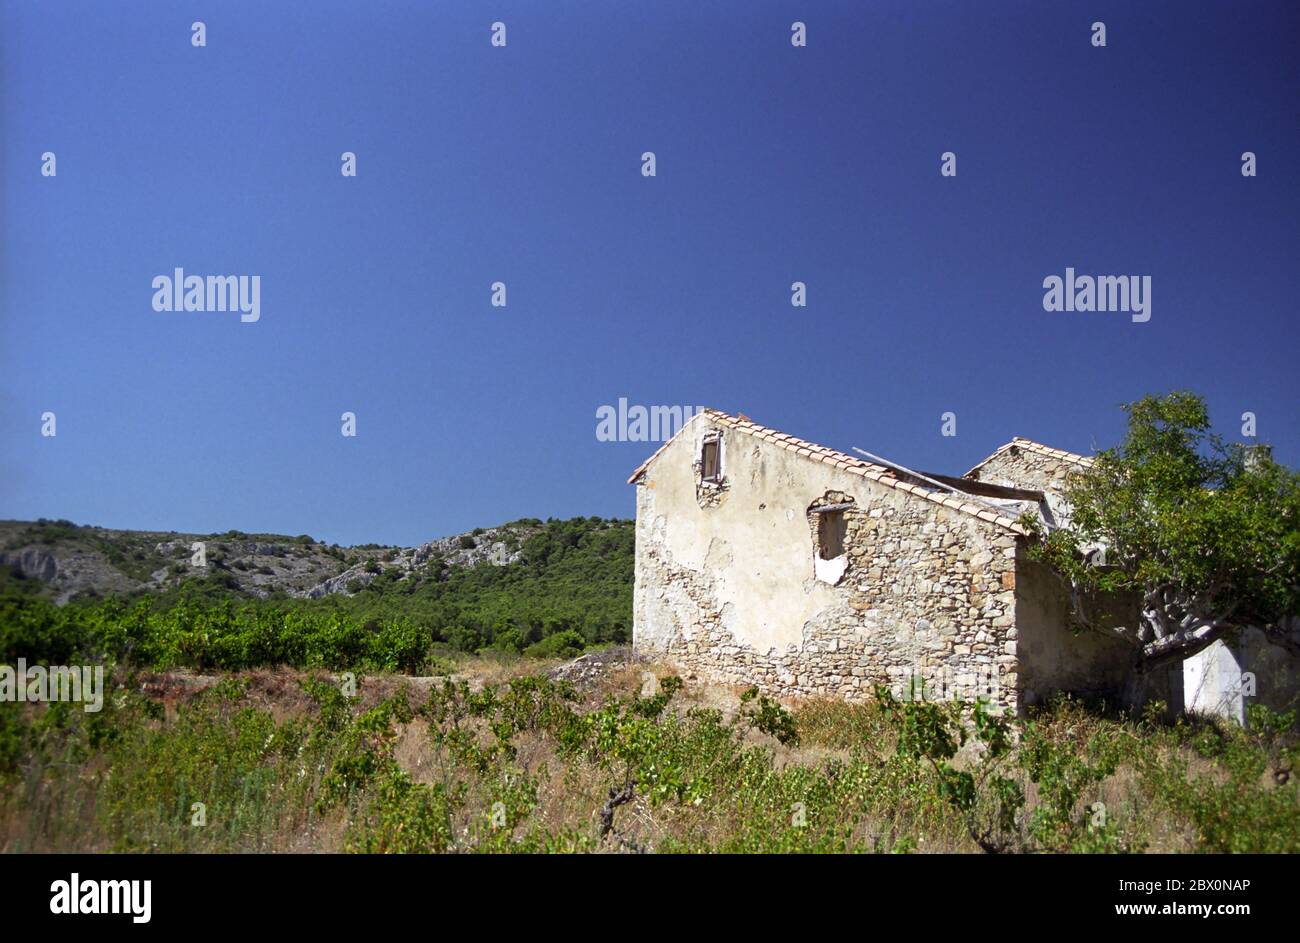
{"x":984,"y":488}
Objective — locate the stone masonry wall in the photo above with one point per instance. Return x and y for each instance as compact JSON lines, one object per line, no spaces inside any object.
{"x":1025,"y":467}
{"x":1021,"y":467}
{"x":928,"y":592}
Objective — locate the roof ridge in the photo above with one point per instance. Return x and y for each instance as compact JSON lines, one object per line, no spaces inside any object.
{"x":1049,"y":450}
{"x":1021,"y":442}
{"x":828,"y":456}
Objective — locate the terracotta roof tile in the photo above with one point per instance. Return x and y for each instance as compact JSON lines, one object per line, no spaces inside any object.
{"x":855,"y":466}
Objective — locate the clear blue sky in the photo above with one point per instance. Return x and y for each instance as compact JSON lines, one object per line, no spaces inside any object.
{"x":522,"y":164}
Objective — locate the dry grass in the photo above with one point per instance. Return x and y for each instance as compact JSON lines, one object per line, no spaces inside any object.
{"x":570,"y":795}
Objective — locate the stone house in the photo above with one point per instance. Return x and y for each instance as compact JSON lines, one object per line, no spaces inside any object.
{"x":765,"y":560}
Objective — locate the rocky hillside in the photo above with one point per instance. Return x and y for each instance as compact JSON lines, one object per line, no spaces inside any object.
{"x":78,"y":561}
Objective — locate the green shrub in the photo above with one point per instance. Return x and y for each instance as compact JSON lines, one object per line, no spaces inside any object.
{"x":565,"y":644}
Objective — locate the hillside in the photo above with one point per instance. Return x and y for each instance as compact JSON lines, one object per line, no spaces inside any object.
{"x":79,"y":561}
{"x":266,"y":598}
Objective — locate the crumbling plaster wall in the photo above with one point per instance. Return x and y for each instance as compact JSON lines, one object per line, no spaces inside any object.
{"x":1242,"y":668}
{"x":726,"y":587}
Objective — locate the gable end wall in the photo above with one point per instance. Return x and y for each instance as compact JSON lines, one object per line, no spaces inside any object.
{"x":726,"y":589}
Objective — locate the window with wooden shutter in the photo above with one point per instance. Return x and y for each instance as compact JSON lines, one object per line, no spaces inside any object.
{"x":709,"y":465}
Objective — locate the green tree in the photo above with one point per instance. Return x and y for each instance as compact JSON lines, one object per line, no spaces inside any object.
{"x":1205,"y":536}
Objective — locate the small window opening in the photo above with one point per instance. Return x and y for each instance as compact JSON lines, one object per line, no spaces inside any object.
{"x":709,"y":465}
{"x":830,"y":534}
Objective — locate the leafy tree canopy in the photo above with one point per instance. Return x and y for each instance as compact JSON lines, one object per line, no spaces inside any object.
{"x":1205,"y":535}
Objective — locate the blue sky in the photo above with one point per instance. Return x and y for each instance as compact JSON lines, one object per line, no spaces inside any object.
{"x":522,"y":164}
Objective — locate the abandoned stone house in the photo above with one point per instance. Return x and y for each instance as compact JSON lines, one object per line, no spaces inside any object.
{"x":765,"y":560}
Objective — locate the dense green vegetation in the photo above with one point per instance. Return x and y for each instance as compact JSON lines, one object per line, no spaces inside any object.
{"x":572,"y":588}
{"x":573,"y":576}
{"x":529,"y":765}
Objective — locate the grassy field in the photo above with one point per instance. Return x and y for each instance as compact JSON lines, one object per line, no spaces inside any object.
{"x":498,"y":757}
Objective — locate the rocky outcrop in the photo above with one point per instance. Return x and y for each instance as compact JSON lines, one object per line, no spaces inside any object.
{"x":75,"y":560}
{"x":356,"y":576}
{"x":35,"y":563}
{"x":494,"y":546}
